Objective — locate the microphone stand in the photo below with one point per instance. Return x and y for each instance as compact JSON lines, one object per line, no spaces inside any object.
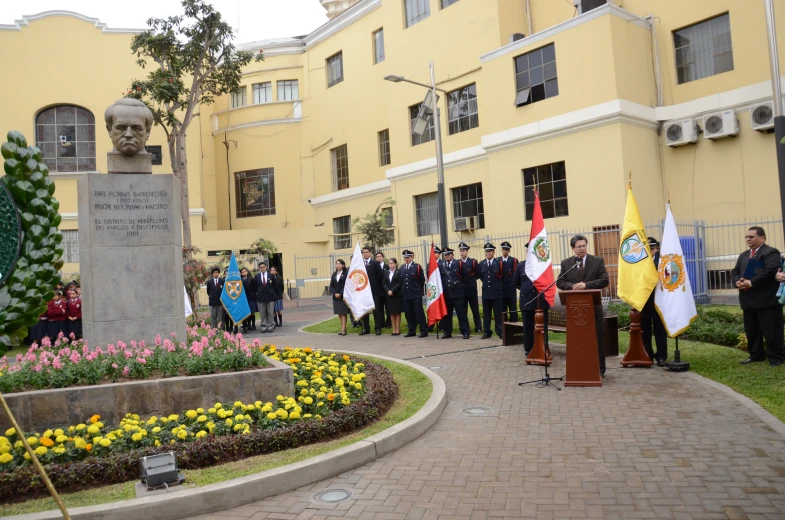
{"x":546,"y":378}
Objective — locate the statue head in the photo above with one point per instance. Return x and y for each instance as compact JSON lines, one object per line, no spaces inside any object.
{"x":128,"y":122}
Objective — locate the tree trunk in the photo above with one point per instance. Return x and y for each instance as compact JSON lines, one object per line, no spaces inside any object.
{"x":182,"y":169}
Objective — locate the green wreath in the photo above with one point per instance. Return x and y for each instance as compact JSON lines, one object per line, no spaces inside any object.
{"x":30,"y":285}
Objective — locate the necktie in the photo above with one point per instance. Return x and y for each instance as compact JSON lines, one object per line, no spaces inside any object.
{"x":580,"y":270}
{"x":752,"y":253}
{"x":216,"y":282}
{"x":264,"y":279}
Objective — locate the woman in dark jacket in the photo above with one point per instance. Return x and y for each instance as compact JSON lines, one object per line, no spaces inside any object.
{"x":249,"y":287}
{"x":394,"y":295}
{"x":337,"y":282}
{"x":278,"y":306}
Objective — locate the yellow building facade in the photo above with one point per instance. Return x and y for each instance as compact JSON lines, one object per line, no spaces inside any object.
{"x":572,"y":96}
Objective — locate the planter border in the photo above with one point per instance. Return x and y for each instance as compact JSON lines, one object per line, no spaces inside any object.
{"x":236,"y":492}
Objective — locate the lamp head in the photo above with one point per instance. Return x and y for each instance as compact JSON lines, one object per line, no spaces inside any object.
{"x":393,"y":78}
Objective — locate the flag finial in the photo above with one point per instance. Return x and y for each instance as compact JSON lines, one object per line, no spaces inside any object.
{"x":629,"y":182}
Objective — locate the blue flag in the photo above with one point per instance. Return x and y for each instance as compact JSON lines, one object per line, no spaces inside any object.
{"x":233,"y":296}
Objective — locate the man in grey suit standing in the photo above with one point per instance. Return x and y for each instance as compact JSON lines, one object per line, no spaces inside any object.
{"x":589,"y":274}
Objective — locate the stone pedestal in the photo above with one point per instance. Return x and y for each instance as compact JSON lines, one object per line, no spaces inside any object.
{"x":139,"y":163}
{"x":130,"y":257}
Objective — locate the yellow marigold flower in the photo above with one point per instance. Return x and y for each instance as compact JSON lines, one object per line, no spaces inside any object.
{"x":172,"y":441}
{"x":136,"y":437}
{"x":238,"y":427}
{"x":182,"y":434}
{"x":271,"y":416}
{"x":79,"y":443}
{"x":339,"y":382}
{"x":356,"y":378}
{"x":317,"y":416}
{"x":279,"y":398}
{"x":27,"y":456}
{"x":200,"y":434}
{"x":32,"y":441}
{"x":221,"y":414}
{"x":59,"y":432}
{"x":229,"y":413}
{"x":320,"y":403}
{"x":281,"y":413}
{"x":163,"y":420}
{"x":92,"y":430}
{"x":80,"y":427}
{"x":191,"y":414}
{"x":46,"y":441}
{"x":156,"y":429}
{"x":174,"y":417}
{"x":239,"y":417}
{"x":59,"y":450}
{"x":19,"y":444}
{"x":112,"y":437}
{"x":346,"y":402}
{"x":95,"y":418}
{"x":294,"y":415}
{"x":201,"y":418}
{"x":97,"y":440}
{"x":200,"y":410}
{"x":152,"y":420}
{"x":157,"y":443}
{"x":211,"y":410}
{"x":304,"y":391}
{"x":47,"y":434}
{"x":237,"y":403}
{"x":228,"y":422}
{"x":320,"y":395}
{"x":217,"y":406}
{"x":267,"y":408}
{"x":106,"y":443}
{"x":41,"y":451}
{"x":5,"y":448}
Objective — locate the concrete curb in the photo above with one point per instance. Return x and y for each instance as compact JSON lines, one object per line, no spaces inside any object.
{"x":770,"y":421}
{"x":192,"y":502}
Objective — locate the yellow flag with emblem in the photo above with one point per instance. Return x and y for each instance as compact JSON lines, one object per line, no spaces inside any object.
{"x":637,"y":274}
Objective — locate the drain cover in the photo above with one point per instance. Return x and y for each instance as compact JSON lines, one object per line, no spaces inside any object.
{"x":477,"y":410}
{"x":333,"y":495}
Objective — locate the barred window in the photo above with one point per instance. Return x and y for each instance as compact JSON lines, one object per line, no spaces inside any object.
{"x":378,"y":46}
{"x":288,"y":90}
{"x":340,"y":166}
{"x":467,"y":202}
{"x":238,"y":98}
{"x":384,"y":147}
{"x":535,"y":76}
{"x":703,"y":49}
{"x":254,"y":192}
{"x":416,"y":11}
{"x":66,"y":136}
{"x":334,"y":69}
{"x":428,"y":135}
{"x":342,"y":229}
{"x":157,"y":153}
{"x":551,"y":181}
{"x":462,"y":109}
{"x":426,"y":212}
{"x":70,"y":246}
{"x":387,"y":214}
{"x":262,"y":92}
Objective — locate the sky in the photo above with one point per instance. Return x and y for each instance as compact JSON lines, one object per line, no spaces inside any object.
{"x":258,"y":19}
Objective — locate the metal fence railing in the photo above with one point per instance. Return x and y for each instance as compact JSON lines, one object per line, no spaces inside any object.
{"x":710,"y":250}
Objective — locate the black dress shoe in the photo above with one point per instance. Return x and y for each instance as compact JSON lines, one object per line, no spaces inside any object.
{"x":776,"y":363}
{"x":660,"y":362}
{"x":478,"y":331}
{"x":379,"y":332}
{"x":446,"y":336}
{"x":466,"y":336}
{"x":750,"y":360}
{"x":486,"y":336}
{"x":423,"y":335}
{"x":410,"y":335}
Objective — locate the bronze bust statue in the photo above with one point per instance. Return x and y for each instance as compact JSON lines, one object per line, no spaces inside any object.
{"x":128,"y":122}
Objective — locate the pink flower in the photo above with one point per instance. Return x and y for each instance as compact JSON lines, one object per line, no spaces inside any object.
{"x":114,"y":365}
{"x":146,"y":353}
{"x":126,"y":371}
{"x":110,"y":348}
{"x":36,"y":368}
{"x":142,"y":360}
{"x":75,"y":357}
{"x":158,"y":340}
{"x":56,"y":364}
{"x":72,"y":336}
{"x":46,"y":342}
{"x":128,"y":354}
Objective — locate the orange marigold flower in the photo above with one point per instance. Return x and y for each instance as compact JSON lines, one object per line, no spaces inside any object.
{"x":95,"y":418}
{"x":46,"y":441}
{"x":287,"y":349}
{"x":308,"y":350}
{"x":272,"y":347}
{"x":88,"y":447}
{"x":345,"y":357}
{"x":330,"y":397}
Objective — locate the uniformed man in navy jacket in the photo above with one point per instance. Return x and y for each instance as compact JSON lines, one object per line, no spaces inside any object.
{"x":413,"y":281}
{"x":509,"y":300}
{"x":492,"y":276}
{"x":470,"y":293}
{"x":453,"y":273}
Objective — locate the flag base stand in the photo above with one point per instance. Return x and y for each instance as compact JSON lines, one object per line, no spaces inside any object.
{"x":636,"y":355}
{"x":539,"y":355}
{"x":677,"y":365}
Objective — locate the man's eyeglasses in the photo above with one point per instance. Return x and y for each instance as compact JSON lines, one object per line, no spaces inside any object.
{"x":750,"y":237}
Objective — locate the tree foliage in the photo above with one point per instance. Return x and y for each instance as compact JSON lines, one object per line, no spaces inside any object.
{"x":24,"y":296}
{"x":194,"y":61}
{"x":195,"y":273}
{"x":373,"y":227}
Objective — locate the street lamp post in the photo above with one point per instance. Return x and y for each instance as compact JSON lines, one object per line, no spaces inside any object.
{"x":779,"y":118}
{"x":442,"y":203}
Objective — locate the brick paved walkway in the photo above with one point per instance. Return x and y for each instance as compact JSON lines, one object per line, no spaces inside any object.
{"x":648,"y":444}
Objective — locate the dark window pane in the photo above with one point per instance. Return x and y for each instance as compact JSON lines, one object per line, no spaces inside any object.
{"x":529,"y":176}
{"x":528,"y":194}
{"x":536,"y":75}
{"x":548,"y":53}
{"x":558,"y":171}
{"x":85,"y":149}
{"x":529,"y":210}
{"x":550,"y":70}
{"x":538,"y":93}
{"x":561,"y":208}
{"x":65,"y":114}
{"x":547,"y":209}
{"x":535,"y":58}
{"x":551,"y":88}
{"x":522,"y":80}
{"x":47,"y":117}
{"x":84,"y":117}
{"x":546,"y":191}
{"x":560,"y":189}
{"x":544,"y":174}
{"x":48,"y":150}
{"x":66,"y":165}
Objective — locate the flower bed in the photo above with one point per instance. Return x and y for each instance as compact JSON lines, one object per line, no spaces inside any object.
{"x":334,"y":398}
{"x":68,"y":362}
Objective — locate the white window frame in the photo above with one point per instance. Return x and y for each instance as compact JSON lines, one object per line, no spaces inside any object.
{"x":378,"y":46}
{"x":238,"y":98}
{"x":426,"y":205}
{"x":339,"y":157}
{"x":415,"y":11}
{"x":342,"y":239}
{"x":290,"y":89}
{"x":334,"y":66}
{"x":262,"y":92}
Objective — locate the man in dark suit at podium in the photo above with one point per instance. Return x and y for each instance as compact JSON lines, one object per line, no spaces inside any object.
{"x":585,"y":272}
{"x":758,"y":286}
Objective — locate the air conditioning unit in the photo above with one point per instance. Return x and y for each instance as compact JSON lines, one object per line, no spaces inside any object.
{"x":679,"y":133}
{"x":720,"y":124}
{"x":465,"y":223}
{"x":762,"y":116}
{"x":516,"y":36}
{"x":584,"y":6}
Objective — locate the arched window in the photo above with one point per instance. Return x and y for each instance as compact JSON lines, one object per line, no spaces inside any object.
{"x":66,"y":136}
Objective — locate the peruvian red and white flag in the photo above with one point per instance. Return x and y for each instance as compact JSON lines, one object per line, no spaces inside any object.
{"x":436,"y":306}
{"x":539,"y":267}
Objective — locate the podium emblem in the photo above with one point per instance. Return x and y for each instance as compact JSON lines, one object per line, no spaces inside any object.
{"x":633,"y":249}
{"x":234,"y":288}
{"x":671,"y":273}
{"x":580,"y":312}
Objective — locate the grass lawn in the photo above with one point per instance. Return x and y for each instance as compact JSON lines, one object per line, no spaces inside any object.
{"x":333,"y":326}
{"x":415,"y":389}
{"x":758,"y":381}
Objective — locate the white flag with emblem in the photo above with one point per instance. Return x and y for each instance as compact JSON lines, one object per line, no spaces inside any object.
{"x":357,"y":291}
{"x":673,"y":293}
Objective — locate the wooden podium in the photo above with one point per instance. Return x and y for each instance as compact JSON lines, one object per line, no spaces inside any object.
{"x":583,"y":362}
